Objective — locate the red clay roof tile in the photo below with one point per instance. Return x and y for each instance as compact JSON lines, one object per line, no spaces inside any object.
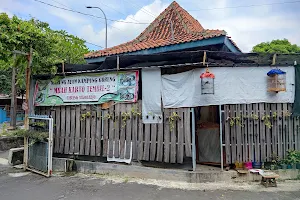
{"x":159,"y":33}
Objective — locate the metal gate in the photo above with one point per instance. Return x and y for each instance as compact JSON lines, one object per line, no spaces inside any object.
{"x":38,"y":155}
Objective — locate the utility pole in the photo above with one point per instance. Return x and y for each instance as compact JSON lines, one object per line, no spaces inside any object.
{"x":26,"y":121}
{"x":13,"y":101}
{"x":28,"y":74}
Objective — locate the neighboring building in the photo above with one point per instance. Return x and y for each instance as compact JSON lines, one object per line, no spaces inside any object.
{"x":5,"y":108}
{"x":173,"y":30}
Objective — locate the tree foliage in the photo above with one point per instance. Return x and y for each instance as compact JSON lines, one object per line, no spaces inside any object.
{"x":50,"y":47}
{"x":276,"y":46}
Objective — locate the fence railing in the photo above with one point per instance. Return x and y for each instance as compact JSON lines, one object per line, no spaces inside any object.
{"x":257,"y":132}
{"x":86,"y":130}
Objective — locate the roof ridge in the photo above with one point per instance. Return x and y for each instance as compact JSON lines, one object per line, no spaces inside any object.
{"x":173,"y":26}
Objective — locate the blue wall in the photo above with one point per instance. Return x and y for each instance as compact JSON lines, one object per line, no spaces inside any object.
{"x":2,"y":116}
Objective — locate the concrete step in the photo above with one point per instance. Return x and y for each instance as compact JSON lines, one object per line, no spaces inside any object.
{"x":142,"y":172}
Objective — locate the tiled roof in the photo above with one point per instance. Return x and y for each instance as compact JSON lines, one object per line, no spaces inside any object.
{"x":159,"y":33}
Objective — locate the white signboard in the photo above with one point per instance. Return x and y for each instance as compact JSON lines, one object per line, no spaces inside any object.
{"x":94,"y":88}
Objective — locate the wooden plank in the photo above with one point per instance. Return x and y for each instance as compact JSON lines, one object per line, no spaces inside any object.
{"x":68,"y":130}
{"x":256,"y":133}
{"x":295,"y":132}
{"x":284,"y":130}
{"x":227,"y":134}
{"x":167,"y":136}
{"x":268,"y":134}
{"x":82,"y":130}
{"x":244,"y":130}
{"x":187,"y":132}
{"x":147,"y":142}
{"x":93,"y":131}
{"x":140,"y":136}
{"x":62,"y":129}
{"x":290,"y":127}
{"x":98,"y":131}
{"x":262,"y":132}
{"x":111,"y":131}
{"x":173,"y":138}
{"x":105,"y":132}
{"x":136,"y":113}
{"x":160,"y":140}
{"x":53,"y":115}
{"x":279,"y":130}
{"x":117,"y":116}
{"x":122,"y":132}
{"x":57,"y":129}
{"x":73,"y":126}
{"x":128,"y":131}
{"x":238,"y":134}
{"x":77,"y":128}
{"x":233,"y":135}
{"x":180,"y":125}
{"x":153,"y":142}
{"x":88,"y":131}
{"x":273,"y":118}
{"x":250,"y":131}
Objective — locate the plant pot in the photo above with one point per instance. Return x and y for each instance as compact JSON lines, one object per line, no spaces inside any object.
{"x":298,"y":166}
{"x":256,"y":165}
{"x":289,"y":166}
{"x":238,"y":165}
{"x":294,"y":166}
{"x":283,"y":166}
{"x":279,"y":167}
{"x":274,"y":167}
{"x":248,"y":165}
{"x":267,"y":165}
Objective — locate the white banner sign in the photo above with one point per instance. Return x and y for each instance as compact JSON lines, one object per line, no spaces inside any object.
{"x":97,"y":88}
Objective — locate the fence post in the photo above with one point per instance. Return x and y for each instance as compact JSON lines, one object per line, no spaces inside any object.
{"x":193,"y":140}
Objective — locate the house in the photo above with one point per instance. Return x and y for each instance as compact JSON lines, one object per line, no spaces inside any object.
{"x":150,"y":108}
{"x":5,"y":108}
{"x":178,"y":93}
{"x":173,"y":30}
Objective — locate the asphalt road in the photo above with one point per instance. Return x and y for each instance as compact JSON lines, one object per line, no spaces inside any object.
{"x":15,"y":185}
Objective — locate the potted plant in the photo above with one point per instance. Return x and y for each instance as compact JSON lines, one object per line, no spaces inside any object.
{"x":292,"y":159}
{"x":267,"y":165}
{"x":298,"y":160}
{"x":274,"y":162}
{"x":283,"y":164}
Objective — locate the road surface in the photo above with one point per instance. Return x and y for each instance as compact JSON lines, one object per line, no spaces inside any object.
{"x":17,"y":185}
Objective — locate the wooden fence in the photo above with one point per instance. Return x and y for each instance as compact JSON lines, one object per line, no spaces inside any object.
{"x":79,"y":130}
{"x":255,"y":132}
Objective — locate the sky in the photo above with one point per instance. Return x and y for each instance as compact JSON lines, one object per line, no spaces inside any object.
{"x":246,"y":24}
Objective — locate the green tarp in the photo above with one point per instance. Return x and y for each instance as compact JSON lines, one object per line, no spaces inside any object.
{"x":296,"y":108}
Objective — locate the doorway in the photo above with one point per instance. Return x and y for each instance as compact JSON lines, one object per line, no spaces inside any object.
{"x":208,"y":135}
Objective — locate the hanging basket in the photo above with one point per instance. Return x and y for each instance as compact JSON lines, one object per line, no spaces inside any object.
{"x":207,"y":83}
{"x":276,"y":80}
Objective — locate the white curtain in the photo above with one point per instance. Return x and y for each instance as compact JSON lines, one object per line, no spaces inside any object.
{"x":233,"y":85}
{"x":151,"y":96}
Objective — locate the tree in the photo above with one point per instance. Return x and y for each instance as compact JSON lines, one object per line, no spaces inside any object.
{"x":50,"y":47}
{"x":276,"y":46}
